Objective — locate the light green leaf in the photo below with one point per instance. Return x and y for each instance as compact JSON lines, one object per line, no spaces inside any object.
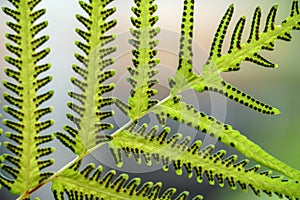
{"x":181,"y":154}
{"x":89,"y":116}
{"x":184,"y":73}
{"x":211,"y":81}
{"x":25,"y":104}
{"x":186,"y":114}
{"x":77,"y":184}
{"x":144,"y":62}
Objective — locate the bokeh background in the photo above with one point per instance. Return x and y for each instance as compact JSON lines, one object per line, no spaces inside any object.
{"x":279,"y":135}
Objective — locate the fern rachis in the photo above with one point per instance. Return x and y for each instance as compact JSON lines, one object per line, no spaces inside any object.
{"x":85,"y":137}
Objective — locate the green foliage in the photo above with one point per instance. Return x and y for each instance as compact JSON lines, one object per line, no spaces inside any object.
{"x":183,"y":154}
{"x":143,"y":61}
{"x":78,"y":184}
{"x":92,"y":75}
{"x":187,"y":114}
{"x":25,"y":174}
{"x":25,"y":101}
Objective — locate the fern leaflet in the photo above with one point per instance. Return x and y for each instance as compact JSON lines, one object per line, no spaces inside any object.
{"x":144,"y":62}
{"x":81,"y":184}
{"x":89,"y":122}
{"x":187,"y":114}
{"x":27,"y":165}
{"x":249,"y":51}
{"x":181,"y":153}
{"x":184,"y":73}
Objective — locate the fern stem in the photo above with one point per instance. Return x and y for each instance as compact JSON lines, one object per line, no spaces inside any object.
{"x":51,"y":178}
{"x":75,"y":160}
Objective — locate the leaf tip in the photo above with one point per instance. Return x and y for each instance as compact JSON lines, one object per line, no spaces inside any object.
{"x":5,"y":121}
{"x":2,"y":158}
{"x":258,"y":8}
{"x":52,"y":149}
{"x":52,"y":121}
{"x":6,"y":144}
{"x":276,"y":111}
{"x":120,"y":164}
{"x":51,"y":92}
{"x":5,"y":108}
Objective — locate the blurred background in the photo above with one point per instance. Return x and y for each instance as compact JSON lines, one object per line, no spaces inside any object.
{"x":279,"y":135}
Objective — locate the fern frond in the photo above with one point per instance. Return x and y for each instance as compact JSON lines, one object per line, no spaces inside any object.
{"x":88,"y":116}
{"x":85,"y":184}
{"x":24,"y":165}
{"x":239,"y":52}
{"x":186,"y":114}
{"x":241,"y":97}
{"x":249,"y":51}
{"x":184,"y":73}
{"x":216,"y":84}
{"x":25,"y":103}
{"x":179,"y":152}
{"x":143,"y":61}
{"x":209,"y":79}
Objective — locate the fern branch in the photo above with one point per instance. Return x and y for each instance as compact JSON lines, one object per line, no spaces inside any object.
{"x":184,"y":71}
{"x":182,"y":154}
{"x":144,"y":62}
{"x":238,"y":53}
{"x":186,"y":114}
{"x":55,"y":175}
{"x":78,"y":184}
{"x":210,"y":79}
{"x":25,"y":171}
{"x":248,"y":51}
{"x":90,"y":101}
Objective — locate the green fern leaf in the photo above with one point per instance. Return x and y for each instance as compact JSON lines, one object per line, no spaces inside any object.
{"x":144,"y":62}
{"x":89,"y":117}
{"x":182,"y":154}
{"x":81,"y":184}
{"x":232,"y":59}
{"x":241,"y":97}
{"x":184,"y":73}
{"x":238,"y":52}
{"x":88,"y":103}
{"x":186,"y":114}
{"x":211,"y":81}
{"x":249,"y":51}
{"x":26,"y":138}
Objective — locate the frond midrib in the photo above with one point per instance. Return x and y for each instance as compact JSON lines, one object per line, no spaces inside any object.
{"x":29,"y":92}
